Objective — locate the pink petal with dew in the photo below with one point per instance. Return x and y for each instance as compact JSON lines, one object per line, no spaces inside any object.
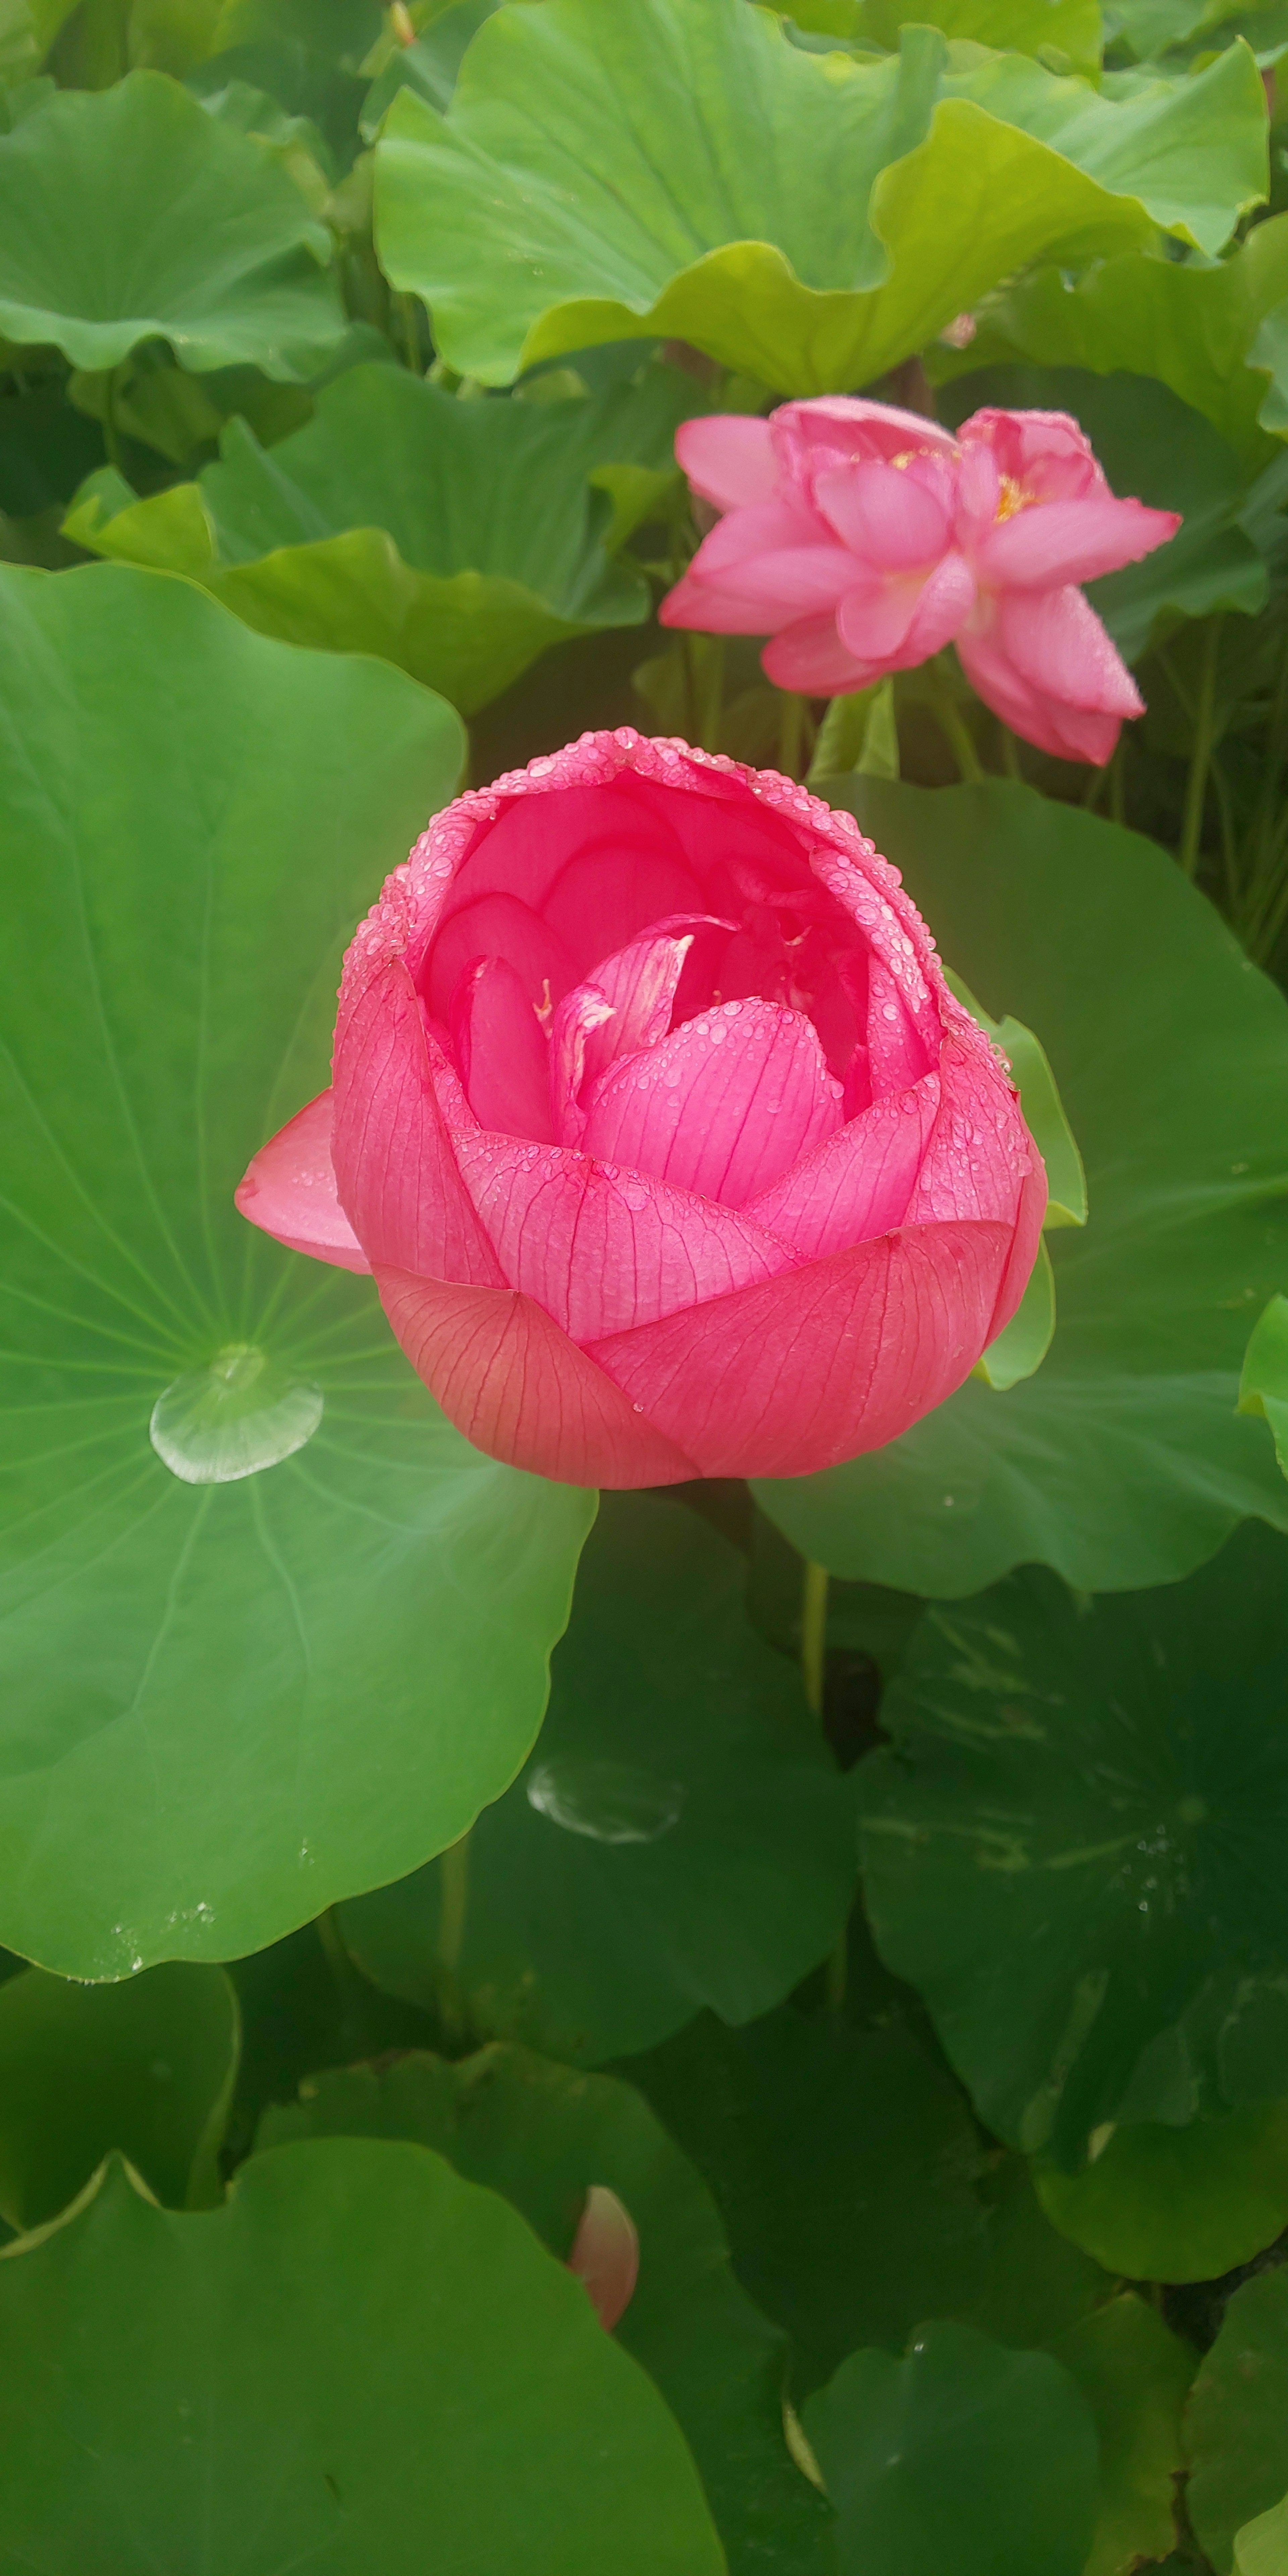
{"x":515,"y":1385}
{"x":979,"y":1153}
{"x":579,"y":1016}
{"x":640,"y":984}
{"x":601,"y":1248}
{"x":830,"y":1360}
{"x":893,"y":521}
{"x":809,"y":656}
{"x":728,"y":458}
{"x":1069,"y":541}
{"x":858,"y":1183}
{"x":502,"y":1051}
{"x":606,"y":2254}
{"x":898,"y":1053}
{"x":546,"y":821}
{"x":722,"y":1106}
{"x":1024,"y":1249}
{"x":498,"y":925}
{"x":395,"y":1171}
{"x":289,"y":1190}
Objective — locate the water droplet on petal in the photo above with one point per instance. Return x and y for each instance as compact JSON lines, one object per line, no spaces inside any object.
{"x":242,"y":1413}
{"x":609,"y":1802}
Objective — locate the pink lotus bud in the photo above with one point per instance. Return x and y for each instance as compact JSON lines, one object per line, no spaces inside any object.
{"x":669,"y":1148}
{"x":863,"y":539}
{"x":606,"y":2254}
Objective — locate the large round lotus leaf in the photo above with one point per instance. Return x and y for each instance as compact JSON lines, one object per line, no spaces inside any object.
{"x":678,"y":167}
{"x":359,"y":2359}
{"x":1135,"y":2375}
{"x":147,"y":2066}
{"x":545,"y":2135}
{"x":680,"y":1836}
{"x":222,"y":1703}
{"x":962,"y":2455}
{"x":858,"y":2200}
{"x":1237,"y":2420}
{"x":1123,"y":1462}
{"x":1166,"y":2204}
{"x":1074,"y":1849}
{"x":459,"y":539}
{"x":131,"y":215}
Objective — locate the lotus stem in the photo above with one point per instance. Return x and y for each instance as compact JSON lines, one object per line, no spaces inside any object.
{"x":814,"y":1675}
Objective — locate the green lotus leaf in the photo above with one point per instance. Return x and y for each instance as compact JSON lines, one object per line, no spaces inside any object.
{"x":458,"y":539}
{"x":1261,"y":2548}
{"x":224,"y":1702}
{"x":1157,"y":449}
{"x":1135,"y":2375}
{"x":147,"y":2066}
{"x":1073,"y":1853}
{"x":1123,"y":1461}
{"x":132,"y":215}
{"x":1048,"y":28}
{"x":1166,"y":2204}
{"x":680,"y":1836}
{"x":357,"y":2351}
{"x":857,"y":2197}
{"x":1237,"y":2423}
{"x":679,"y":167}
{"x":960,"y":2455}
{"x":1213,"y":334}
{"x":1263,"y":1386}
{"x":543,"y":2136}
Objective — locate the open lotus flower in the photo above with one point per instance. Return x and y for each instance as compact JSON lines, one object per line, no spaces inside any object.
{"x":669,"y":1148}
{"x":863,"y":539}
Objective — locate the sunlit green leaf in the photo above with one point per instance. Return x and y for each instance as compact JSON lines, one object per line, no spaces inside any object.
{"x":1261,"y":2548}
{"x":1135,"y":2374}
{"x":1166,"y":2204}
{"x":678,"y":167}
{"x":225,"y":1703}
{"x":358,"y":2358}
{"x":1050,"y":29}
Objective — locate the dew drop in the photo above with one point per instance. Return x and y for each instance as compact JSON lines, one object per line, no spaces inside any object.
{"x":608,"y":1802}
{"x":240,"y":1414}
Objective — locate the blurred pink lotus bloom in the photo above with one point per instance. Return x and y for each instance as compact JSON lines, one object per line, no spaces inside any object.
{"x":670,"y":1149}
{"x":862,"y":539}
{"x":606,"y":2254}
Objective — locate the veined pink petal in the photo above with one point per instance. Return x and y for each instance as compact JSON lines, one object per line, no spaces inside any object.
{"x":498,"y":925}
{"x":979,"y":1154}
{"x":1069,"y":541}
{"x":728,"y":458}
{"x":640,"y":985}
{"x":891,"y":520}
{"x":898,"y":1054}
{"x":828,"y":1361}
{"x":608,"y":895}
{"x":765,"y":590}
{"x":395,"y":1171}
{"x":515,"y":1385}
{"x":601,"y":1248}
{"x":1024,"y":1249}
{"x":809,"y":656}
{"x":903,"y":619}
{"x":777,"y":528}
{"x":536,"y":836}
{"x":1043,"y":662}
{"x":289,"y":1190}
{"x":856,"y":1184}
{"x":722,"y":1106}
{"x":606,"y":2254}
{"x":502,"y":1051}
{"x":581,"y":1014}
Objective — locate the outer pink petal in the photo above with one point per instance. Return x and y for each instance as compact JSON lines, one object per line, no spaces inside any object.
{"x":289,"y":1190}
{"x":395,"y":1171}
{"x":516,"y":1386}
{"x":898,"y":1052}
{"x":601,"y":1248}
{"x":907,"y":619}
{"x":889,"y":519}
{"x":1070,"y":541}
{"x":746,"y":535}
{"x":728,"y":458}
{"x":761,"y":591}
{"x":858,"y":1183}
{"x":721,"y":1106}
{"x":979,"y":1154}
{"x":1044,"y":663}
{"x":809,"y":656}
{"x":829,"y":1360}
{"x":1024,"y":1248}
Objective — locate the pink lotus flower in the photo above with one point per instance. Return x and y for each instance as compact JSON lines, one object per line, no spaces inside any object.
{"x":669,"y":1148}
{"x":863,"y":539}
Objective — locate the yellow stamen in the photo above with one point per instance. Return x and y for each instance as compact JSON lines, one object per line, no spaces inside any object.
{"x":1013,"y":497}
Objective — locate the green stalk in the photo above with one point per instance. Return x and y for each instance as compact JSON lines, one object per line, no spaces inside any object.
{"x":957,"y":733}
{"x":793,"y":723}
{"x":1201,"y":755}
{"x":814,"y":1675}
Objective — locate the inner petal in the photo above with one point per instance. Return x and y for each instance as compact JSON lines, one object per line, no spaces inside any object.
{"x":498,"y":925}
{"x":723,"y":1105}
{"x":502,"y":1051}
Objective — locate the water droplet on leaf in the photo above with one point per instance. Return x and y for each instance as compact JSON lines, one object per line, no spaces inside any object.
{"x":609,"y":1802}
{"x":241,"y":1413}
